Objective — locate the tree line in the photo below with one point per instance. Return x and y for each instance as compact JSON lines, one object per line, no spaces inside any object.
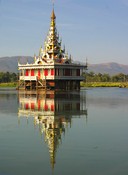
{"x":99,"y":77}
{"x":6,"y":77}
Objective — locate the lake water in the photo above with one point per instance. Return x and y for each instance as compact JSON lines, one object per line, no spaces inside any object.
{"x":82,"y":133}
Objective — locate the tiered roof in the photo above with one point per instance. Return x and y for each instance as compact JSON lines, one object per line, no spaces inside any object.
{"x":52,"y":52}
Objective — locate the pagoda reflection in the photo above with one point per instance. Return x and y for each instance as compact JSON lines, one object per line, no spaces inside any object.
{"x":53,"y":113}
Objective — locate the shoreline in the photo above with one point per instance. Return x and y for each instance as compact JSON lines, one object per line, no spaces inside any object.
{"x":104,"y":84}
{"x":12,"y":86}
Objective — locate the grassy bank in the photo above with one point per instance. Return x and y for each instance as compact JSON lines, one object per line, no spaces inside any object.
{"x":9,"y":85}
{"x":104,"y":84}
{"x":82,"y":84}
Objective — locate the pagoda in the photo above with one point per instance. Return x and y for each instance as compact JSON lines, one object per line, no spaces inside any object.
{"x":53,"y":68}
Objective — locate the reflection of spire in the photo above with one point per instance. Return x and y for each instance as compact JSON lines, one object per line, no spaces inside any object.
{"x":53,"y":129}
{"x":53,"y":148}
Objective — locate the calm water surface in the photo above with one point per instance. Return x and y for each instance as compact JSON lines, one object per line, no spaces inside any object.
{"x":83,"y":134}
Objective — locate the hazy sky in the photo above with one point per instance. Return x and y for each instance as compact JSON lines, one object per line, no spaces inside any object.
{"x":96,"y":29}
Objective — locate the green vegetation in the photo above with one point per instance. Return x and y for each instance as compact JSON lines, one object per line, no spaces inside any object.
{"x":104,"y":84}
{"x":11,"y":84}
{"x":104,"y":80}
{"x":92,"y":77}
{"x":8,"y":79}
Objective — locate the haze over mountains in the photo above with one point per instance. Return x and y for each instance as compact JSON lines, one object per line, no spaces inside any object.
{"x":110,"y":68}
{"x":10,"y":64}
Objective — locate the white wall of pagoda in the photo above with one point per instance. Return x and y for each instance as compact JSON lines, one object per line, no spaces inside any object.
{"x":50,"y":74}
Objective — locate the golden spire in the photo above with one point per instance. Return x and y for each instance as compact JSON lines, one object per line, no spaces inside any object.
{"x":53,"y":43}
{"x":53,"y":16}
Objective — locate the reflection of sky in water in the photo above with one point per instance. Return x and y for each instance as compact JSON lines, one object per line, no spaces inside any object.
{"x":8,"y":102}
{"x":107,"y":97}
{"x":93,"y":145}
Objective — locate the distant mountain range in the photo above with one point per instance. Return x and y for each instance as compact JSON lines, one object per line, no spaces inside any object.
{"x":110,"y":68}
{"x":10,"y":64}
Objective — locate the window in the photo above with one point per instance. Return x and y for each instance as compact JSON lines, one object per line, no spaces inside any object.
{"x":26,"y":106}
{"x":26,"y":73}
{"x":45,"y":107}
{"x":57,"y":72}
{"x":52,"y":71}
{"x":32,"y":106}
{"x":32,"y":72}
{"x":78,"y":72}
{"x":52,"y":107}
{"x":45,"y":72}
{"x":67,"y":72}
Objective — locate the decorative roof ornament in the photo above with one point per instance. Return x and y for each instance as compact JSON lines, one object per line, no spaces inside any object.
{"x":41,"y":51}
{"x":53,"y":50}
{"x":53,"y":1}
{"x":53,"y":16}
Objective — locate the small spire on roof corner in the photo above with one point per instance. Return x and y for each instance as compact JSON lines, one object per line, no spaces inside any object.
{"x":86,"y":63}
{"x":86,"y":60}
{"x":18,"y":60}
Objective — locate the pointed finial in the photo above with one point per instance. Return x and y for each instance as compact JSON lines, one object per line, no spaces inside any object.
{"x":53,"y":1}
{"x":53,"y":14}
{"x":34,"y":57}
{"x":60,"y":40}
{"x":18,"y":60}
{"x":64,"y":48}
{"x":86,"y":63}
{"x":27,"y":60}
{"x":70,"y":57}
{"x":40,"y":51}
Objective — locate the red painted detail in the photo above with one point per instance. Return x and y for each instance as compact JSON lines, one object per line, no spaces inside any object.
{"x":32,"y":106}
{"x":52,"y":71}
{"x":32,"y":72}
{"x":52,"y":84}
{"x":39,"y":105}
{"x":45,"y":107}
{"x":26,"y":106}
{"x":26,"y":73}
{"x":45,"y":72}
{"x":38,"y":73}
{"x":52,"y":107}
